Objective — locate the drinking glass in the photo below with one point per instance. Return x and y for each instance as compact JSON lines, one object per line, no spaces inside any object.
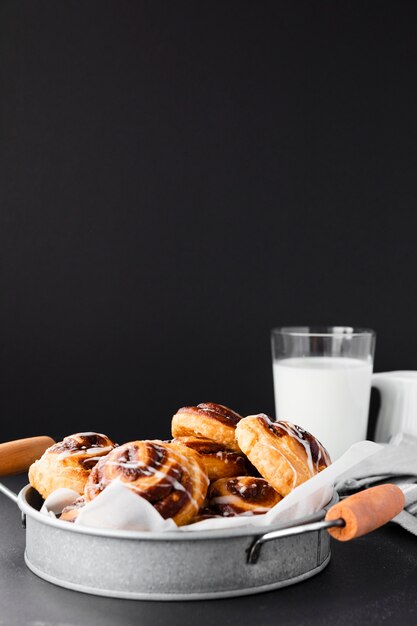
{"x":322,"y":381}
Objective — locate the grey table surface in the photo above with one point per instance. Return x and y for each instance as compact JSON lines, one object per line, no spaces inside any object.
{"x":372,"y":580}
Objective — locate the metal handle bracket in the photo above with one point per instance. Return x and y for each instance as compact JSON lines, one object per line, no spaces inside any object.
{"x":8,"y":492}
{"x":255,"y":548}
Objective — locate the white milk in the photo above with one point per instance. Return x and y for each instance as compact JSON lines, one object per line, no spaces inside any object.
{"x":328,"y":396}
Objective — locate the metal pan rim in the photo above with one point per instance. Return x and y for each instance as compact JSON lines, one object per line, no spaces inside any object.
{"x":248,"y":531}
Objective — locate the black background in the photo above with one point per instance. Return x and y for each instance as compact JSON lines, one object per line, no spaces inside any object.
{"x":178,"y":178}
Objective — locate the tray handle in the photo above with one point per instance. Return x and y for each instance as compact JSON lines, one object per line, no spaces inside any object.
{"x":255,"y":549}
{"x":365,"y":511}
{"x":353,"y":517}
{"x":17,"y":456}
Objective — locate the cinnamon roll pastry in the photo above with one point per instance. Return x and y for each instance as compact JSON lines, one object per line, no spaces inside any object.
{"x":285,"y":454}
{"x":173,"y":480}
{"x":70,"y":512}
{"x":242,"y":495}
{"x":219,"y":462}
{"x":69,"y":462}
{"x":203,"y":514}
{"x":208,"y":421}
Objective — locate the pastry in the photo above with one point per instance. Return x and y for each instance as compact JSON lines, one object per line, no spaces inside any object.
{"x":170,"y":477}
{"x":219,"y":462}
{"x":68,"y":463}
{"x":204,"y":513}
{"x":70,"y":512}
{"x":209,"y":421}
{"x":242,"y":495}
{"x":283,"y":453}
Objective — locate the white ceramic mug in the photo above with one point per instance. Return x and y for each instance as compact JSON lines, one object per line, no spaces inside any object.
{"x":398,"y":411}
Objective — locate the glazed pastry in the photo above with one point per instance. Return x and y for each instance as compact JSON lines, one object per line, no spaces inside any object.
{"x":204,"y":513}
{"x":171,"y":478}
{"x":242,"y":495}
{"x":68,"y":463}
{"x":219,"y":462}
{"x":208,"y":421}
{"x":70,"y":513}
{"x":284,"y":454}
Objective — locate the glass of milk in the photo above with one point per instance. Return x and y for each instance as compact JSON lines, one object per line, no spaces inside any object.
{"x":322,"y":381}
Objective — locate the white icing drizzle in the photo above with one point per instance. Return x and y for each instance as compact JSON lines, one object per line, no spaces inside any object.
{"x":83,"y":451}
{"x":196,"y":466}
{"x":163,"y":476}
{"x":243,"y":488}
{"x":233,"y":500}
{"x":292,"y":432}
{"x":101,"y":450}
{"x":285,"y":457}
{"x":93,"y":458}
{"x":322,"y":455}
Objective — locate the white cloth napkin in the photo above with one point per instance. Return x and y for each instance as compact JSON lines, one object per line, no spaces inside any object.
{"x":118,"y":507}
{"x":394,"y":463}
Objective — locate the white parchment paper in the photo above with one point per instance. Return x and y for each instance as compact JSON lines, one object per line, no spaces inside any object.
{"x":118,"y":507}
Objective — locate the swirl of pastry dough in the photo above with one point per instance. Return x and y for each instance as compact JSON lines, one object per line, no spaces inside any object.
{"x":170,"y":477}
{"x":68,"y":463}
{"x":203,"y":514}
{"x":218,"y":461}
{"x":286,"y":455}
{"x":242,"y":495}
{"x":208,"y":421}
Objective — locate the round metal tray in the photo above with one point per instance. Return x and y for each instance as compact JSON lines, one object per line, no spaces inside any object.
{"x":171,"y":566}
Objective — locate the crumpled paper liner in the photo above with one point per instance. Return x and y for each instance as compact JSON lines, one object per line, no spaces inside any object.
{"x":118,"y":507}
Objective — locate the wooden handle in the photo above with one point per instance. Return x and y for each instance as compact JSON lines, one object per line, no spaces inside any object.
{"x":366,"y":511}
{"x":17,"y":456}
